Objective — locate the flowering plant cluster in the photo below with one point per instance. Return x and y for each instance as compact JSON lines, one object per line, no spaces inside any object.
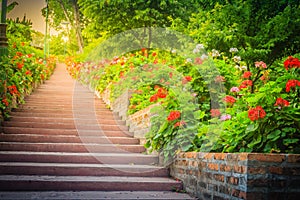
{"x":261,"y":112}
{"x":21,"y":71}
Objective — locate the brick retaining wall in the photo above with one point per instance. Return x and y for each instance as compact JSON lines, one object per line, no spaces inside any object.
{"x":239,"y":176}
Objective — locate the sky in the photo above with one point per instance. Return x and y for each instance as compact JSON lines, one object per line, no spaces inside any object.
{"x":32,"y":10}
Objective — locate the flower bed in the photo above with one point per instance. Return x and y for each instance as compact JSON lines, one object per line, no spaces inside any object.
{"x":20,"y":73}
{"x":208,"y":102}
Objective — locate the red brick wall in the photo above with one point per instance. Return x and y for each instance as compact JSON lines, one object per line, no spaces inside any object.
{"x":239,"y":176}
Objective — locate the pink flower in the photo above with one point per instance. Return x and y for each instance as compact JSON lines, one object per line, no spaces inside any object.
{"x":220,"y":79}
{"x":234,"y":89}
{"x":198,"y":61}
{"x":225,"y":117}
{"x":260,"y":64}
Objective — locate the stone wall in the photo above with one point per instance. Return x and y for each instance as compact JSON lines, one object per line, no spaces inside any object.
{"x":138,"y":123}
{"x":239,"y":176}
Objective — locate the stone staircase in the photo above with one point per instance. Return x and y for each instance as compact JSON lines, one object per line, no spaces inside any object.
{"x":65,"y":139}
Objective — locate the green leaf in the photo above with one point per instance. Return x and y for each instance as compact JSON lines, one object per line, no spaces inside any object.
{"x":275,"y":135}
{"x":251,"y":128}
{"x":290,"y":141}
{"x":163,"y":127}
{"x":199,"y":114}
{"x":255,"y":142}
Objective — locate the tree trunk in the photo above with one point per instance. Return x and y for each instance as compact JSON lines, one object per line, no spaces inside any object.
{"x":77,"y":25}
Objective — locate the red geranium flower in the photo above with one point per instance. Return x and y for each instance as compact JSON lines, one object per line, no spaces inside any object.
{"x":161,"y":93}
{"x":13,"y":90}
{"x":256,"y":113}
{"x":215,"y":112}
{"x":281,"y":102}
{"x":174,"y":115}
{"x":181,"y":123}
{"x":19,"y":54}
{"x":291,"y":84}
{"x":153,"y":98}
{"x":246,"y":84}
{"x":5,"y":102}
{"x":20,"y":65}
{"x":121,"y":75}
{"x":229,"y":99}
{"x":198,"y":61}
{"x":247,"y":74}
{"x":186,"y":79}
{"x":291,"y":62}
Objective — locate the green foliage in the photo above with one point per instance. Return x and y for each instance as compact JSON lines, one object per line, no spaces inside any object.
{"x":261,"y":30}
{"x":20,"y":29}
{"x":108,"y":18}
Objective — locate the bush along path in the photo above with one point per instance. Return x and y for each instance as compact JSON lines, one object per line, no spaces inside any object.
{"x":60,"y":141}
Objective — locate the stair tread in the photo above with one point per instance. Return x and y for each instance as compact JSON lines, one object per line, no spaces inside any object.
{"x":75,"y":165}
{"x":84,"y":195}
{"x":108,"y":179}
{"x":70,"y":144}
{"x":77,"y":154}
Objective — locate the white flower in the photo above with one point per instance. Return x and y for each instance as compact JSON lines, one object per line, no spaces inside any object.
{"x":215,"y":53}
{"x":233,"y":50}
{"x":189,"y":60}
{"x":173,"y":51}
{"x":204,"y":57}
{"x":237,"y":59}
{"x":199,"y":46}
{"x":195,"y":51}
{"x":243,"y":68}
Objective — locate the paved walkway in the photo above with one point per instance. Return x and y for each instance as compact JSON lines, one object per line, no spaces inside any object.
{"x":65,"y":144}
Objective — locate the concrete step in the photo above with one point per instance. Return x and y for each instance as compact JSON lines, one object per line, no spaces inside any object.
{"x":66,"y":139}
{"x":78,"y":131}
{"x":80,"y":111}
{"x":71,"y":157}
{"x":96,"y":195}
{"x":71,"y":169}
{"x":73,"y":125}
{"x":65,"y":115}
{"x":64,"y":120}
{"x":70,"y":147}
{"x":86,"y":183}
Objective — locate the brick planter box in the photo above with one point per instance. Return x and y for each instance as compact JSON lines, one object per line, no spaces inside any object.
{"x":239,"y":175}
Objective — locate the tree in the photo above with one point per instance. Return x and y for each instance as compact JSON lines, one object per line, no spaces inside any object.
{"x":107,"y":18}
{"x":262,"y":30}
{"x":66,"y":11}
